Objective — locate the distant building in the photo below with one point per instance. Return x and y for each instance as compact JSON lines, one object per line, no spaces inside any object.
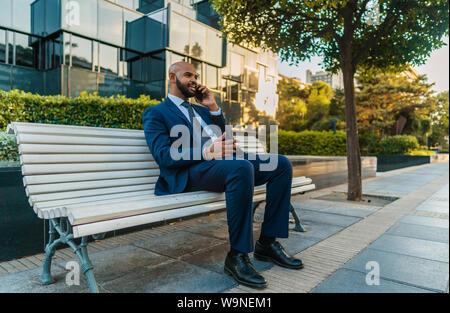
{"x":294,"y":80}
{"x":336,"y":81}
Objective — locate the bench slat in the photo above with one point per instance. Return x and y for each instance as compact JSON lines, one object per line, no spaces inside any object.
{"x":77,"y":130}
{"x":83,"y":158}
{"x":73,"y":186}
{"x":70,"y":148}
{"x":82,"y":140}
{"x":92,"y":213}
{"x":37,"y":169}
{"x":104,"y":199}
{"x":69,"y":195}
{"x":61,"y":178}
{"x":141,"y":219}
{"x":92,"y":199}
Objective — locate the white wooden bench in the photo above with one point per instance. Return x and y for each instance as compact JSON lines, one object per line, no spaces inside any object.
{"x":90,"y":180}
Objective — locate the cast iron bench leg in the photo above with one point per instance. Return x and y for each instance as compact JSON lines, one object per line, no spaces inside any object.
{"x":64,"y":230}
{"x":298,"y":225}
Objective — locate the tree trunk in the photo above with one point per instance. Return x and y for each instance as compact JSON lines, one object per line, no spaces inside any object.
{"x":353,"y":152}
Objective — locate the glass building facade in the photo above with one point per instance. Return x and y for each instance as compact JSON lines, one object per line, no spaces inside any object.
{"x":125,"y":47}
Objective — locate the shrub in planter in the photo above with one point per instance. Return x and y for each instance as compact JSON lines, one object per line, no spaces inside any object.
{"x":84,"y":110}
{"x":401,"y":144}
{"x":8,"y":147}
{"x":311,"y":143}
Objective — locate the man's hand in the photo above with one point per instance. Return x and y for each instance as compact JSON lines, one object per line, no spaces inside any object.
{"x":208,"y":99}
{"x":220,"y":148}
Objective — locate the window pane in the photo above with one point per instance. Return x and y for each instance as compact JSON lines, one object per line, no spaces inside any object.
{"x":147,"y":6}
{"x":5,"y":13}
{"x":131,"y":4}
{"x":236,"y":65}
{"x":198,"y":67}
{"x":27,"y":79}
{"x":5,"y":73}
{"x":82,"y":80}
{"x":175,"y":58}
{"x":110,"y":23}
{"x":67,"y":48}
{"x":134,"y":26}
{"x":81,"y":52}
{"x":80,"y":16}
{"x":25,"y":54}
{"x":2,"y":46}
{"x":52,"y":16}
{"x":108,"y":59}
{"x":53,"y":53}
{"x":157,"y":67}
{"x":211,"y":77}
{"x":214,"y":47}
{"x":198,"y":40}
{"x":179,"y":33}
{"x":22,"y":14}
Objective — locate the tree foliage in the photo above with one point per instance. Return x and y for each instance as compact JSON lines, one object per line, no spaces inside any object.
{"x":392,"y":104}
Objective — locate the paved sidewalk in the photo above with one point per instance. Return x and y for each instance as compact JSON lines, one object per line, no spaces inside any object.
{"x":406,"y":240}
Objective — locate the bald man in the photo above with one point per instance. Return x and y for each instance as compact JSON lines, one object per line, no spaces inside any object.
{"x":189,"y":144}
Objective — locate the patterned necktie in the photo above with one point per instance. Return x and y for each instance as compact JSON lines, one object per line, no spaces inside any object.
{"x":190,"y":108}
{"x":188,"y":105}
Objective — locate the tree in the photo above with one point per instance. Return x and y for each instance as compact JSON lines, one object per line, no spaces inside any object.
{"x":439,"y":119}
{"x":291,"y":108}
{"x":349,"y":34}
{"x":394,"y":104}
{"x":318,"y":107}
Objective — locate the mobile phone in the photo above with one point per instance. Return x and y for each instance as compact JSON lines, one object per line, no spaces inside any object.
{"x":198,"y":94}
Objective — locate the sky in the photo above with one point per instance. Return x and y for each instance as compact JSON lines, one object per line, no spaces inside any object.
{"x":436,"y":68}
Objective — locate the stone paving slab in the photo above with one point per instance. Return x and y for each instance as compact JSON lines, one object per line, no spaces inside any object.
{"x":431,"y":233}
{"x":422,"y":273}
{"x":341,"y":210}
{"x":172,"y":277}
{"x":349,"y":281}
{"x":436,"y":251}
{"x":177,"y":243}
{"x":327,"y":218}
{"x":425,"y":221}
{"x":316,"y":231}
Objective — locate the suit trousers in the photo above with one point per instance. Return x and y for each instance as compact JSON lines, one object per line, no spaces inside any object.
{"x":237,"y":178}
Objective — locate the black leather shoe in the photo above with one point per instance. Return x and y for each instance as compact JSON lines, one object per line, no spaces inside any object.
{"x":274,"y":252}
{"x":242,"y":270}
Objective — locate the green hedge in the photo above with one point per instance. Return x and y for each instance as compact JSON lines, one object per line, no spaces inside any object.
{"x":312,"y":143}
{"x":85,"y":110}
{"x":8,"y":147}
{"x":401,"y":144}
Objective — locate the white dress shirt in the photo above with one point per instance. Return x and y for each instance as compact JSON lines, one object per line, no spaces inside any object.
{"x":178,"y":101}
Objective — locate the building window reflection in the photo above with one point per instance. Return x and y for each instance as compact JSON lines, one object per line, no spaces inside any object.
{"x":110,"y":23}
{"x":108,"y":59}
{"x":81,"y":52}
{"x":2,"y":46}
{"x":26,"y":55}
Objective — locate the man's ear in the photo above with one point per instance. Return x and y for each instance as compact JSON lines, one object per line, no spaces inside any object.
{"x":172,"y":77}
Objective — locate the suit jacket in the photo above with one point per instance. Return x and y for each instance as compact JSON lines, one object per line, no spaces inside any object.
{"x":158,"y":121}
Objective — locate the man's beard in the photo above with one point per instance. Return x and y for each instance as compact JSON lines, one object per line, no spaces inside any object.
{"x":184,"y":89}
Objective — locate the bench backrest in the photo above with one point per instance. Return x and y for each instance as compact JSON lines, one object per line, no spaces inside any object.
{"x":64,"y":164}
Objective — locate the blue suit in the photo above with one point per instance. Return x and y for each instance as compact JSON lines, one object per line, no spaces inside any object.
{"x":236,"y":177}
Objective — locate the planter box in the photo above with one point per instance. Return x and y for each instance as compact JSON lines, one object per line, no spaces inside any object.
{"x":393,"y":162}
{"x":328,"y":171}
{"x":21,"y":231}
